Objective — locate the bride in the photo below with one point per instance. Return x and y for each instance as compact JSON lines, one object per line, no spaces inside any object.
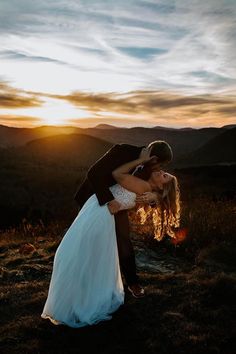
{"x":86,"y":285}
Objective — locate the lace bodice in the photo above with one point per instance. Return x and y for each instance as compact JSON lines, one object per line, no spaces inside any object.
{"x":123,"y":196}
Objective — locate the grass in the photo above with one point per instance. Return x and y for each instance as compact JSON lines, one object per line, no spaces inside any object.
{"x":180,"y":314}
{"x":186,"y":311}
{"x":189,"y":311}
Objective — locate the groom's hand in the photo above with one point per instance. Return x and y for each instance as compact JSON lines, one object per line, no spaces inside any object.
{"x":113,"y":206}
{"x":147,"y":198}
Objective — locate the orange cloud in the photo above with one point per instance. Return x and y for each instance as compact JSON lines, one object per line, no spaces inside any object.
{"x":12,"y":98}
{"x":19,"y":121}
{"x":134,"y":108}
{"x":147,"y":102}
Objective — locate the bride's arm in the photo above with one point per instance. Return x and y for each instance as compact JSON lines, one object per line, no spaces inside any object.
{"x":130,"y":182}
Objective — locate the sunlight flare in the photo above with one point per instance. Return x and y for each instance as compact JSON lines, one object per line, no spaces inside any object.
{"x":52,"y":112}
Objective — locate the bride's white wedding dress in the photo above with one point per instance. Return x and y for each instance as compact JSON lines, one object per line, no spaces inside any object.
{"x":86,"y":284}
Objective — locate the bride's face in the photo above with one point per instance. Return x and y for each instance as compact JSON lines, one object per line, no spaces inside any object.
{"x":161,"y":177}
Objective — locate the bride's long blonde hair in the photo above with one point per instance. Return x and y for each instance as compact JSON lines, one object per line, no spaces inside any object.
{"x":164,"y":217}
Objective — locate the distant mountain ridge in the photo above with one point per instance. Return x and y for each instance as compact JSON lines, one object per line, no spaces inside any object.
{"x":105,"y":126}
{"x":185,"y":142}
{"x":76,"y":149}
{"x":10,"y":137}
{"x":229,"y":126}
{"x":219,"y":150}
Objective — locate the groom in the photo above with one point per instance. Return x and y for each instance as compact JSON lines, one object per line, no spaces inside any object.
{"x":99,"y":179}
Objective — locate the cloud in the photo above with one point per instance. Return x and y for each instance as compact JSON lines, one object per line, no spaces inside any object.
{"x":141,"y":107}
{"x":140,"y":101}
{"x":14,"y":98}
{"x":14,"y":55}
{"x":158,"y":107}
{"x":12,"y":120}
{"x":183,"y":45}
{"x":150,"y":60}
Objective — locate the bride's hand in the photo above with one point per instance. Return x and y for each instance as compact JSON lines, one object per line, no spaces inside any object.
{"x":147,"y":198}
{"x":145,"y":154}
{"x":113,"y":206}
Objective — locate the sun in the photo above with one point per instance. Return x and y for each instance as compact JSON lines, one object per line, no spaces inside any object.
{"x":52,"y":112}
{"x":59,"y":112}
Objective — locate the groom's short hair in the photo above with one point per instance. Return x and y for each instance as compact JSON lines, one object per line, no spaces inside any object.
{"x":162,"y":150}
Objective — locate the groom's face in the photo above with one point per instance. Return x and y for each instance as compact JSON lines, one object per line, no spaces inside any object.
{"x":159,"y":165}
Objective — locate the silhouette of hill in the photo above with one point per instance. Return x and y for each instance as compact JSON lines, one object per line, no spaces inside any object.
{"x":105,"y":126}
{"x":183,"y":141}
{"x":10,"y":137}
{"x":219,"y":150}
{"x":229,"y":126}
{"x":78,"y":149}
{"x":39,"y":180}
{"x":169,"y":128}
{"x":165,"y":128}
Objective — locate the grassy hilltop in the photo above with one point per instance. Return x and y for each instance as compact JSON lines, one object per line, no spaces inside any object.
{"x":191,"y":286}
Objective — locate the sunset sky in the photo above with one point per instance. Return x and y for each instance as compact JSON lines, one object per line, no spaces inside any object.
{"x":121,"y":62}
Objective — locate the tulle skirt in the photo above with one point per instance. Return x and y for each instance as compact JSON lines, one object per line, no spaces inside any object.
{"x":86,"y":285}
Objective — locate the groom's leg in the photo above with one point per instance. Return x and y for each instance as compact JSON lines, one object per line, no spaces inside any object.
{"x":125,"y":248}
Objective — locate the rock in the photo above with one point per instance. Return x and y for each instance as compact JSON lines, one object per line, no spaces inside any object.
{"x":146,"y":259}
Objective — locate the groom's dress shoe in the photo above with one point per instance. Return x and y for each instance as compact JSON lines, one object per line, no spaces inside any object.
{"x":136,"y":290}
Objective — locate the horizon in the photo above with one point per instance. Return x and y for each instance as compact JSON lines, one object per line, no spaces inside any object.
{"x":143,"y":63}
{"x":118,"y":127}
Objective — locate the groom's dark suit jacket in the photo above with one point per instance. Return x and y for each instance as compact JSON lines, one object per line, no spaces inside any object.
{"x":99,"y":177}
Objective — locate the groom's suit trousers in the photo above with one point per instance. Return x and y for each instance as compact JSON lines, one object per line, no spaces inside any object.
{"x":125,"y":248}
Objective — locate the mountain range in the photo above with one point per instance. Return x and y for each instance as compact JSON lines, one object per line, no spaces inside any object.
{"x":219,"y":150}
{"x":190,"y":146}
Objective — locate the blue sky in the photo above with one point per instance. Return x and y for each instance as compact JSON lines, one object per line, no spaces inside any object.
{"x":178,"y":51}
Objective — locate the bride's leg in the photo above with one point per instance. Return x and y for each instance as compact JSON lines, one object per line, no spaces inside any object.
{"x":125,"y":248}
